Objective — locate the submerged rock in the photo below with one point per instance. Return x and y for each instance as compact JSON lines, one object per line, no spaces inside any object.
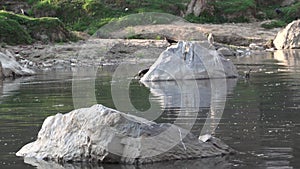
{"x":11,"y":68}
{"x":190,"y":60}
{"x":100,"y":134}
{"x":289,"y":37}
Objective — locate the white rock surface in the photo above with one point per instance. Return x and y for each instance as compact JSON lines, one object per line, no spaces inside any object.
{"x":289,"y":37}
{"x":11,"y":67}
{"x":190,"y":60}
{"x":100,"y":134}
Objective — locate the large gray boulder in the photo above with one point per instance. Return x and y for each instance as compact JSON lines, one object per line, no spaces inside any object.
{"x":100,"y":134}
{"x":190,"y":60}
{"x":289,"y":37}
{"x":10,"y":67}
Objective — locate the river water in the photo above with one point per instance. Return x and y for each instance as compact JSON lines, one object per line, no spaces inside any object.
{"x":261,"y":118}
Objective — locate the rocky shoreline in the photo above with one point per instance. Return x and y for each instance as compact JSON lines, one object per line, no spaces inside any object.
{"x":238,"y":38}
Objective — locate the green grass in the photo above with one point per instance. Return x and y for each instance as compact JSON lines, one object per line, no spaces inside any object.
{"x":20,"y":29}
{"x":291,"y":13}
{"x":12,"y":32}
{"x":127,"y":22}
{"x":90,"y":15}
{"x":234,"y":6}
{"x":274,"y":24}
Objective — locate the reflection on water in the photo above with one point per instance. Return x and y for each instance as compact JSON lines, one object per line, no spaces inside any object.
{"x":261,"y":117}
{"x":206,"y":163}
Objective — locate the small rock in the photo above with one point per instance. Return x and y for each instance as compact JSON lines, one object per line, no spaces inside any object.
{"x":225,"y":51}
{"x":253,"y":46}
{"x":73,"y":61}
{"x":47,"y":64}
{"x":30,"y":63}
{"x":239,"y":52}
{"x":269,"y":44}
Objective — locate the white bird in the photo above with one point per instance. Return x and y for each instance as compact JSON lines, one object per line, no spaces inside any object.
{"x":210,"y":39}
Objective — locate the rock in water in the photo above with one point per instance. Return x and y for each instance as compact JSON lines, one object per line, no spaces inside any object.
{"x":10,"y":67}
{"x":100,"y":134}
{"x":289,"y":37}
{"x":190,"y":60}
{"x":1,"y":71}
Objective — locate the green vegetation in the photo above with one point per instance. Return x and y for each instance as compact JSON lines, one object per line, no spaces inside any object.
{"x":20,"y":29}
{"x":234,"y":6}
{"x":274,"y":24}
{"x":10,"y":29}
{"x":90,"y":15}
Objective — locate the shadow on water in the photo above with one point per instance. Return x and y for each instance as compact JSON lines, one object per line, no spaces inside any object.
{"x":261,"y":118}
{"x":206,"y":163}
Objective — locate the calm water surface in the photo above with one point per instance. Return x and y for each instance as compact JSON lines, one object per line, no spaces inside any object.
{"x":261,"y":119}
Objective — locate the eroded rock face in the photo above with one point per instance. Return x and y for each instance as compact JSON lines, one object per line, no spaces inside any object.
{"x":10,"y":67}
{"x":289,"y":37}
{"x":100,"y":134}
{"x":190,"y":60}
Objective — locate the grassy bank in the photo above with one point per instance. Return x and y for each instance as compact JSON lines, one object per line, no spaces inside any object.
{"x":21,"y":29}
{"x":90,"y":15}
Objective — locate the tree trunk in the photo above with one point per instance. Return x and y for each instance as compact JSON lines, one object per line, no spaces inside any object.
{"x":196,"y":7}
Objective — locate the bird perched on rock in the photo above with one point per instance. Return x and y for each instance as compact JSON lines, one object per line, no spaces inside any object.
{"x":24,"y":12}
{"x":210,"y":39}
{"x":141,"y":73}
{"x":247,"y":74}
{"x":170,"y":41}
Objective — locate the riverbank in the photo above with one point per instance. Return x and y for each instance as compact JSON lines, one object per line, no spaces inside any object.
{"x":97,"y":51}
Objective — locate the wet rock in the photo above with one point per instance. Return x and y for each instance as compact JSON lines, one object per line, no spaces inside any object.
{"x":11,"y":68}
{"x":100,"y":134}
{"x":269,"y":44}
{"x":225,"y":51}
{"x":1,"y":71}
{"x":254,"y":46}
{"x":289,"y":37}
{"x":73,"y":61}
{"x":232,"y":39}
{"x":190,"y":60}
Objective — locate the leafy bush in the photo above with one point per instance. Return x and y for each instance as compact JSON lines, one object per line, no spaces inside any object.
{"x":20,"y":29}
{"x":234,"y":6}
{"x":273,"y":24}
{"x":12,"y":32}
{"x":291,"y":13}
